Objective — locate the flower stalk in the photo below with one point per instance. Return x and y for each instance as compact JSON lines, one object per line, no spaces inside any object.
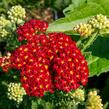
{"x":90,"y":41}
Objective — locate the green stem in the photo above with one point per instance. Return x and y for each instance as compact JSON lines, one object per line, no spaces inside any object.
{"x":90,"y":41}
{"x":78,"y":43}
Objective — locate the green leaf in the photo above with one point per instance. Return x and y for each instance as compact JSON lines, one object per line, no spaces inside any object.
{"x":103,"y":3}
{"x":100,"y":6}
{"x":64,"y":27}
{"x":79,"y":10}
{"x":75,"y":4}
{"x":98,"y":59}
{"x":86,"y":10}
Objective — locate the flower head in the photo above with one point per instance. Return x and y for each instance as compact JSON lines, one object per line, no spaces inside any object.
{"x":83,"y":29}
{"x":37,"y":79}
{"x":79,"y":94}
{"x":31,"y":29}
{"x":48,"y":62}
{"x":68,"y":70}
{"x":94,"y":101}
{"x":15,"y":92}
{"x":16,"y":14}
{"x":99,"y":22}
{"x":95,"y":23}
{"x":3,"y":34}
{"x":4,"y":22}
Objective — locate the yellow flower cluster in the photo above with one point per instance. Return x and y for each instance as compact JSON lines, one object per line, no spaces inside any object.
{"x":16,"y":92}
{"x":17,"y":14}
{"x":94,"y":101}
{"x":79,"y":94}
{"x":99,"y":22}
{"x":3,"y":24}
{"x":3,"y":33}
{"x":83,"y":29}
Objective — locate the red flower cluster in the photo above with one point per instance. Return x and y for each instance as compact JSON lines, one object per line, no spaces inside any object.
{"x":5,"y":62}
{"x":36,"y":79}
{"x":49,"y":62}
{"x":69,"y":66}
{"x":30,"y":29}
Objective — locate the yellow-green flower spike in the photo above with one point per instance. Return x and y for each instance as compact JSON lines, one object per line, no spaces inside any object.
{"x":79,"y":94}
{"x":3,"y":33}
{"x":17,"y":14}
{"x":4,"y":22}
{"x":83,"y":29}
{"x":94,"y":101}
{"x":99,"y":22}
{"x":16,"y":92}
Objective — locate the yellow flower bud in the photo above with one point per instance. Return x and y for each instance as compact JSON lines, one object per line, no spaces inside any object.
{"x":94,"y":101}
{"x":99,"y":22}
{"x":15,"y":92}
{"x":4,"y":22}
{"x":79,"y":94}
{"x":83,"y":29}
{"x":17,"y":14}
{"x":3,"y":33}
